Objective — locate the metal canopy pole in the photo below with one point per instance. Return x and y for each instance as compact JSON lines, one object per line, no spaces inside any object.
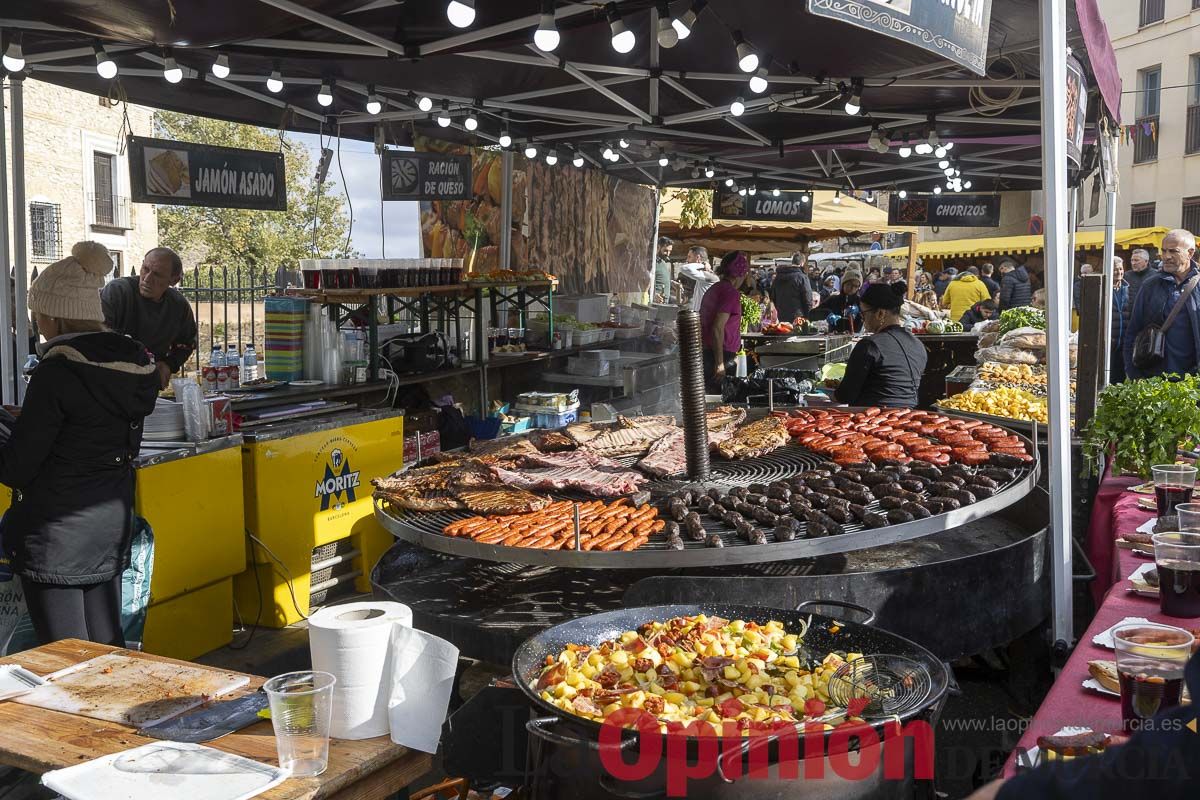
{"x":1110,"y":226}
{"x":1053,"y":35}
{"x":20,"y":235}
{"x":7,"y":368}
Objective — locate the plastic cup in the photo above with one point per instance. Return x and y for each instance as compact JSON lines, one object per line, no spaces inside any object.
{"x":1173,"y":485}
{"x":1150,"y":663}
{"x":1189,"y":516}
{"x":301,"y":705}
{"x":1177,"y":558}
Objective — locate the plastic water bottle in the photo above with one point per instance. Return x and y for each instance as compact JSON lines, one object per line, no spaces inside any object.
{"x":217,"y":358}
{"x":249,"y":364}
{"x":233,"y":362}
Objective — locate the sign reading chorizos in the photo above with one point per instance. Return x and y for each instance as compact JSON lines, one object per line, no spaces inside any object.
{"x":946,"y":211}
{"x":954,"y":29}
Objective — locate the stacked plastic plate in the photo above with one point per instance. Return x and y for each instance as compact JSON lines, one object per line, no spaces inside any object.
{"x":166,"y":423}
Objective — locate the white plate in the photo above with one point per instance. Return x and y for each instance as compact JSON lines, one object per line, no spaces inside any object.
{"x":305,"y":383}
{"x":1099,"y":688}
{"x":16,"y":681}
{"x":1105,"y":639}
{"x":1138,"y":581}
{"x":165,"y":769}
{"x":1033,"y":756}
{"x":1148,"y":525}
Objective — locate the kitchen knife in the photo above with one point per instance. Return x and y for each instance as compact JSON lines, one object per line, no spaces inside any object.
{"x":210,"y":722}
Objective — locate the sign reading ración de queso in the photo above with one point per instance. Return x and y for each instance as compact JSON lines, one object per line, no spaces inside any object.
{"x":954,"y":29}
{"x":946,"y":211}
{"x":426,"y":176}
{"x":789,"y":206}
{"x":186,"y":174}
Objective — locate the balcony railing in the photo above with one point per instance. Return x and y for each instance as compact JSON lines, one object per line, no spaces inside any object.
{"x":1145,"y":140}
{"x":1193,"y":130}
{"x":110,"y":211}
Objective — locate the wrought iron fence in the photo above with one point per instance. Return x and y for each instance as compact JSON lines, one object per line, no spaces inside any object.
{"x":111,"y":211}
{"x":228,"y":305}
{"x":1145,"y":139}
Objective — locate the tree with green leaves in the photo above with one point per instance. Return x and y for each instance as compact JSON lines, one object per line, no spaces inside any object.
{"x":696,"y":211}
{"x":247,"y":242}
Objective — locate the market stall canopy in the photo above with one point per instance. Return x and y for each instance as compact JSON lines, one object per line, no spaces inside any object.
{"x":1021,"y":245}
{"x":390,"y":68}
{"x":845,"y":217}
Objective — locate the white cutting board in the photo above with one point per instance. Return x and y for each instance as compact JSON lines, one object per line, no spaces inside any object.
{"x":137,"y":692}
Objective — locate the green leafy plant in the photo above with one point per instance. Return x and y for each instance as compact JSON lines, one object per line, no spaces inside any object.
{"x":1143,"y":423}
{"x":1023,"y":317}
{"x":751,"y":312}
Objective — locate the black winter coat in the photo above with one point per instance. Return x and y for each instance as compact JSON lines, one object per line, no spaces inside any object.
{"x":1015,"y":289}
{"x":791,"y":293}
{"x":70,"y":459}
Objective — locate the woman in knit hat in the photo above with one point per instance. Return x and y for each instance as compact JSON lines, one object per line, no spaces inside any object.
{"x":69,"y":460}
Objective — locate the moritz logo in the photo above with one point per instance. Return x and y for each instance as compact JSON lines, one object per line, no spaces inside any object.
{"x":338,"y":486}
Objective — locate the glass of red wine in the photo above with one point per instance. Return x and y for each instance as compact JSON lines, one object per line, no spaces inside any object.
{"x":1150,"y":663}
{"x":1173,"y":484}
{"x":1177,"y":558}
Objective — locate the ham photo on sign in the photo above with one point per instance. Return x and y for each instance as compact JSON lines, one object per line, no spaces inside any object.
{"x":899,"y":6}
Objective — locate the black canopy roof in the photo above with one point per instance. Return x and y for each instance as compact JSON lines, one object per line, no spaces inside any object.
{"x":672,"y":102}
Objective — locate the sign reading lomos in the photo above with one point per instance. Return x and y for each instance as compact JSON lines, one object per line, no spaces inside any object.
{"x":954,"y":29}
{"x":426,"y":176}
{"x":186,"y":174}
{"x":789,"y":206}
{"x":946,"y":211}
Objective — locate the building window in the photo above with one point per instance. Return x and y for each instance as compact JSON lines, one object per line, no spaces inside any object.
{"x":1152,"y":11}
{"x":1195,"y":4}
{"x":1141,"y":215}
{"x":1145,"y":142}
{"x":1192,"y":140}
{"x":1191,"y":214}
{"x":104,"y":199}
{"x":117,"y":259}
{"x":45,"y":230}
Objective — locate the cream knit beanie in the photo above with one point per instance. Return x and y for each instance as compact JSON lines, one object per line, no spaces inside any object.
{"x":70,"y":289}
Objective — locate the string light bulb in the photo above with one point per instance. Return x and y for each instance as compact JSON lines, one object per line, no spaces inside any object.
{"x":753,"y":189}
{"x":668,"y":37}
{"x":531,"y":150}
{"x":425,"y":103}
{"x":683,"y":23}
{"x":903,"y":193}
{"x":854,"y":97}
{"x":940,"y":152}
{"x":552,"y":157}
{"x":662,"y":158}
{"x":623,"y":39}
{"x":14,"y":55}
{"x":546,"y":38}
{"x":775,"y":192}
{"x":742,"y":191}
{"x":905,"y":149}
{"x":738,"y":107}
{"x":937,"y":190}
{"x":275,"y":82}
{"x":220,"y":67}
{"x":709,"y":170}
{"x":505,"y":139}
{"x":325,"y":94}
{"x":805,"y":198}
{"x":837,"y":197}
{"x":105,"y":66}
{"x":607,"y":152}
{"x":443,"y":117}
{"x":172,"y":72}
{"x":471,"y":123}
{"x":623,"y":143}
{"x":730,"y":182}
{"x":943,"y":164}
{"x":747,"y":58}
{"x":578,"y":159}
{"x":966,"y":184}
{"x":461,"y":13}
{"x":758,"y":81}
{"x":374,"y":104}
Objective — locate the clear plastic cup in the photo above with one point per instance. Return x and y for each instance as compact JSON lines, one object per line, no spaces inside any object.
{"x":1189,"y":516}
{"x":1177,"y":559}
{"x":1173,"y":485}
{"x":301,"y":705}
{"x":1150,"y":663}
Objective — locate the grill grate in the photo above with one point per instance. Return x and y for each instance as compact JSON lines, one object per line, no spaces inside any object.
{"x":425,"y":528}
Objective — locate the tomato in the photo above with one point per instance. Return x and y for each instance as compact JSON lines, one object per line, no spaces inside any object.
{"x":731,"y":708}
{"x":814,"y":707}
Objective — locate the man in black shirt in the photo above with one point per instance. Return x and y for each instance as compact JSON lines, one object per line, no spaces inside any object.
{"x":885,"y":368}
{"x":148,"y":308}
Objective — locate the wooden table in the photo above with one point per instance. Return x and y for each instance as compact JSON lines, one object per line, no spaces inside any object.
{"x":38,"y":740}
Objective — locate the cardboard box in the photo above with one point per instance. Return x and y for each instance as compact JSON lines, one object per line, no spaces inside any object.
{"x":430,"y":443}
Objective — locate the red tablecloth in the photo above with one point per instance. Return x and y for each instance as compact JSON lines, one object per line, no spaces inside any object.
{"x":1068,"y":704}
{"x":1112,"y":504}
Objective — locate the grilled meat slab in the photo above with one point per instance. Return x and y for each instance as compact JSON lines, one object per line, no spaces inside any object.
{"x":756,"y":439}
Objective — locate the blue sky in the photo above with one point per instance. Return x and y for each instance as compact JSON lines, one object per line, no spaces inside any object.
{"x":399,"y":227}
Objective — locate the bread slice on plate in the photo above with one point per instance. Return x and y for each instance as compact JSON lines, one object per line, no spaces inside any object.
{"x":1105,"y":673}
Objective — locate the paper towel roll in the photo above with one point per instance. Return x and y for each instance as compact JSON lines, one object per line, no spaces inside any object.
{"x":353,"y":643}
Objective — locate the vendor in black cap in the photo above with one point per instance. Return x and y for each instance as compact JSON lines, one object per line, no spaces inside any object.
{"x":885,"y":368}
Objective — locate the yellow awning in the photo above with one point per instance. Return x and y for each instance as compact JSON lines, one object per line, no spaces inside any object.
{"x":1019,"y":245}
{"x":847,"y":217}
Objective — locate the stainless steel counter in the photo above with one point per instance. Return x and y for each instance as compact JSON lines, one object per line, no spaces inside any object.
{"x":285,"y":428}
{"x":154,"y":453}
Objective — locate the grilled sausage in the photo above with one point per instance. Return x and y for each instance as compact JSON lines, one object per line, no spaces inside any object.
{"x":891,"y":502}
{"x":947,"y":503}
{"x":871,"y":519}
{"x":983,"y":480}
{"x":671,"y":529}
{"x":758,"y":536}
{"x":777,"y":506}
{"x":704,"y":503}
{"x":917,"y":510}
{"x":693,"y":527}
{"x":713,"y":540}
{"x":898,"y":516}
{"x":764,"y":517}
{"x":913,"y":484}
{"x":786,"y":529}
{"x":756,"y":499}
{"x":675,"y":543}
{"x":715,"y":494}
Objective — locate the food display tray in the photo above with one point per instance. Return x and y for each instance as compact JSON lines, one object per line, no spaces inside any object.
{"x":425,"y":528}
{"x":1027,"y":427}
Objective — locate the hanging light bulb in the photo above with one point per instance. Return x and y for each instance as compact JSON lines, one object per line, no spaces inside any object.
{"x":753,"y":189}
{"x":837,"y":197}
{"x":662,"y":158}
{"x":854,"y":97}
{"x":471,"y":123}
{"x":905,"y":149}
{"x":220,"y":67}
{"x":730,"y":182}
{"x":775,"y":192}
{"x":14,"y":55}
{"x":738,"y":107}
{"x":903,"y":193}
{"x":943,"y":164}
{"x":747,"y":58}
{"x":758,"y":81}
{"x":940,"y":151}
{"x":668,"y":37}
{"x":275,"y":82}
{"x":623,"y":39}
{"x":923,"y":149}
{"x":443,"y":117}
{"x":949,"y":172}
{"x":546,"y":37}
{"x":607,"y":152}
{"x":709,"y":170}
{"x":505,"y":139}
{"x":461,"y":13}
{"x":948,"y":145}
{"x":623,"y":143}
{"x":742,"y":191}
{"x":325,"y":94}
{"x":885,"y":143}
{"x":578,"y":159}
{"x":171,"y":70}
{"x":683,"y":23}
{"x":967,"y":185}
{"x":105,"y":66}
{"x":933,"y":140}
{"x":805,"y":198}
{"x":531,"y":150}
{"x":425,"y":103}
{"x":374,"y":104}
{"x":957,"y":173}
{"x":937,"y":190}
{"x":615,"y":157}
{"x":873,"y":139}
{"x":552,"y":157}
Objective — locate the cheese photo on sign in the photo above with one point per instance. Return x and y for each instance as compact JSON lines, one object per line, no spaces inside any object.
{"x":167,"y":172}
